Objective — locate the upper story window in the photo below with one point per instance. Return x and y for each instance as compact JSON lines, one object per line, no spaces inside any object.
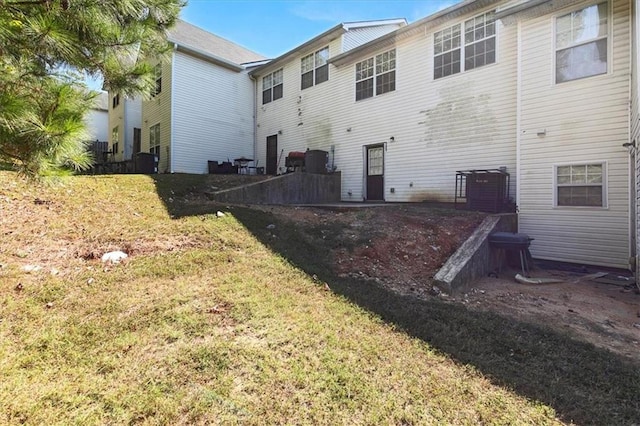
{"x":580,"y":185}
{"x":581,"y":43}
{"x":157,"y":71}
{"x":315,"y":68}
{"x":115,"y":101}
{"x":375,"y":76}
{"x":272,"y":87}
{"x":479,"y":44}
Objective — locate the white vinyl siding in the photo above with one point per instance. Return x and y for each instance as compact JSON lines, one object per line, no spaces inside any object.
{"x":635,"y":138}
{"x":213,"y":108}
{"x":358,"y":36}
{"x":582,"y":122}
{"x":421,"y":162}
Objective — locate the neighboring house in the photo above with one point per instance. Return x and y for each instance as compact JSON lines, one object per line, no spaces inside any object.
{"x":300,"y":96}
{"x":98,"y":119}
{"x":202,"y":107}
{"x":125,"y":126}
{"x":540,"y":87}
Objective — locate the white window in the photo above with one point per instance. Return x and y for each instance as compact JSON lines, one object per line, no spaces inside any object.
{"x":272,"y":87}
{"x":581,"y":185}
{"x":115,"y":138}
{"x":581,"y":43}
{"x":449,"y":57}
{"x":375,"y":80}
{"x":157,"y":71}
{"x":315,"y":68}
{"x":154,"y":139}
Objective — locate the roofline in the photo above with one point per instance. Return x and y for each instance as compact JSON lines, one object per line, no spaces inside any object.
{"x":197,"y":53}
{"x":528,"y":4}
{"x":303,"y":46}
{"x":362,"y":24}
{"x":341,"y":28}
{"x":411,"y":29}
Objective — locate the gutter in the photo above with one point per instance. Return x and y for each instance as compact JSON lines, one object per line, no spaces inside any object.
{"x":255,"y":119}
{"x":511,"y":10}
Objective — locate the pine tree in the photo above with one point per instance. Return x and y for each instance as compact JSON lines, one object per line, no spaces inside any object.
{"x":47,"y":47}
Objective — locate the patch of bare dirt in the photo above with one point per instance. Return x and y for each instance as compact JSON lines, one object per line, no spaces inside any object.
{"x":604,"y":314}
{"x":402,"y":247}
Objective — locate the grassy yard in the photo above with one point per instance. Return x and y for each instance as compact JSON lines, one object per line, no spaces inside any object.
{"x":216,"y":320}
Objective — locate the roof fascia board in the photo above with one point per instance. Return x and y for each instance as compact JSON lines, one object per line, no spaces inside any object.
{"x":511,"y":10}
{"x":417,"y":27}
{"x":364,"y":24}
{"x":208,"y":57}
{"x":531,"y":9}
{"x":323,"y":38}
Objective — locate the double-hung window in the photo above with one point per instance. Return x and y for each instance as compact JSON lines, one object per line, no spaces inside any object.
{"x":157,"y":71}
{"x":315,"y":68}
{"x":455,"y":52}
{"x":154,"y":139}
{"x":377,"y":75}
{"x":581,"y":43}
{"x":272,"y":86}
{"x":581,"y":185}
{"x":115,"y":138}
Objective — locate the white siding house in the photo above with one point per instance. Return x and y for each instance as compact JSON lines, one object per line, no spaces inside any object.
{"x":124,"y":127}
{"x":97,"y":119}
{"x":298,"y":93}
{"x":574,"y":173}
{"x":541,"y":88}
{"x":202,"y":106}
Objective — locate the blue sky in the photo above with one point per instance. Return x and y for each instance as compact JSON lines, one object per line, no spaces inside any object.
{"x":274,"y":27}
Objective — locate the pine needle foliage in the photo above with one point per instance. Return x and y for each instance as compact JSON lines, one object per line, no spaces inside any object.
{"x":42,"y":102}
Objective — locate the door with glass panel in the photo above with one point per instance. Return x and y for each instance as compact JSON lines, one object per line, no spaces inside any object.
{"x":375,"y":173}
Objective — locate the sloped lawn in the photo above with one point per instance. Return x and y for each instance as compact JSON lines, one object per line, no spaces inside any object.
{"x":202,"y":324}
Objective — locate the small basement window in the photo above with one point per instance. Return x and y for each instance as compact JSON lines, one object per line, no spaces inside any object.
{"x":581,"y":185}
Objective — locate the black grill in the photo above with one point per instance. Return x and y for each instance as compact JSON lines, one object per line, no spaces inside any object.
{"x":513,"y":243}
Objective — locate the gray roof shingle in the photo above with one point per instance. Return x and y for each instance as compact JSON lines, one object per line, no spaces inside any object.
{"x":188,"y":35}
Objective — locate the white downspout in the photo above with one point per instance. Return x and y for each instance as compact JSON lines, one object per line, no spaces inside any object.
{"x":255,"y":121}
{"x":172,"y":116}
{"x":518,"y":113}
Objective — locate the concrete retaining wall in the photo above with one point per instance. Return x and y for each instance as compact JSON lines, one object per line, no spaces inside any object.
{"x":291,"y":188}
{"x":473,"y":259}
